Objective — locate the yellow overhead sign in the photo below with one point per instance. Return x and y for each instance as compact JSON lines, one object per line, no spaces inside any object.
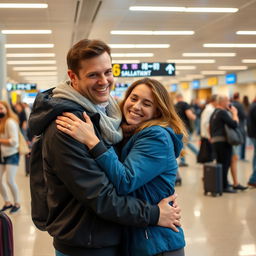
{"x":212,"y":81}
{"x":184,"y":85}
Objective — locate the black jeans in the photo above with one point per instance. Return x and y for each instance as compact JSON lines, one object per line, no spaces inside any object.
{"x":223,"y":153}
{"x":179,"y":252}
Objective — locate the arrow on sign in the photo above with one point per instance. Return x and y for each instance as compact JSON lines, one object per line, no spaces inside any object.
{"x":170,"y":69}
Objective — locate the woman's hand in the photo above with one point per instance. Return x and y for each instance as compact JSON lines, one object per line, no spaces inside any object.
{"x":78,"y":129}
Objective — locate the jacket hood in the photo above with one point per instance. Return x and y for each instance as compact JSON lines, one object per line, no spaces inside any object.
{"x":46,"y":109}
{"x":177,"y":141}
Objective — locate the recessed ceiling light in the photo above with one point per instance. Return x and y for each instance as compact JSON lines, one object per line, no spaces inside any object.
{"x":132,"y":55}
{"x":38,"y":78}
{"x":19,"y":5}
{"x":34,"y":68}
{"x":139,"y":45}
{"x":246,"y":32}
{"x":209,"y":54}
{"x":25,"y":32}
{"x":232,"y":67}
{"x":180,"y":9}
{"x":125,"y":61}
{"x":28,"y":62}
{"x":29,"y":45}
{"x":149,"y":32}
{"x":212,"y":72}
{"x":249,"y":61}
{"x":230,"y":45}
{"x":192,"y":61}
{"x":185,"y":67}
{"x":37,"y":73}
{"x":30,"y":55}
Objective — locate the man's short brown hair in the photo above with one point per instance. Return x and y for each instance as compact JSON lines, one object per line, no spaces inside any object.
{"x":85,"y":49}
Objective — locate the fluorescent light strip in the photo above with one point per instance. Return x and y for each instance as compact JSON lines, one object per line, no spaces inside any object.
{"x":29,"y":45}
{"x":17,"y":5}
{"x":230,"y":45}
{"x":249,"y":61}
{"x":232,"y":67}
{"x":180,"y":9}
{"x":150,"y":32}
{"x":26,"y":32}
{"x":195,"y":76}
{"x":28,"y":62}
{"x":185,"y":67}
{"x":116,"y":55}
{"x":37,"y":73}
{"x":204,"y":61}
{"x":212,"y":72}
{"x":38,"y":78}
{"x":125,"y":61}
{"x":139,"y":45}
{"x":30,"y":55}
{"x":246,"y":32}
{"x":34,"y":68}
{"x":209,"y":54}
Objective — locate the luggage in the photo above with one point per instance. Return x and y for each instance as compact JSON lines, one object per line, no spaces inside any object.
{"x":6,"y":235}
{"x":213,"y":179}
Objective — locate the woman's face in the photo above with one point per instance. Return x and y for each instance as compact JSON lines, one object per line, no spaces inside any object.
{"x":140,"y":106}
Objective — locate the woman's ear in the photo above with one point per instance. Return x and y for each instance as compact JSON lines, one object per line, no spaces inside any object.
{"x":157,"y":114}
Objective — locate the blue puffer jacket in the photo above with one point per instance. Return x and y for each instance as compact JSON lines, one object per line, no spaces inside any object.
{"x":147,"y":171}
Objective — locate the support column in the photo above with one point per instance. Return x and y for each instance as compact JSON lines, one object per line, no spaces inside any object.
{"x":2,"y":68}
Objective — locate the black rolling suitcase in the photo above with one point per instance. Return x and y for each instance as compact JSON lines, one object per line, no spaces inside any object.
{"x":6,"y":235}
{"x":213,"y":179}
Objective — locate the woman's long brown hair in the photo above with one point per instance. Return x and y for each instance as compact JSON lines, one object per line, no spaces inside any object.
{"x":9,"y":114}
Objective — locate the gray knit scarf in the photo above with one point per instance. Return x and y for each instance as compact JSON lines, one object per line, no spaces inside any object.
{"x":109,"y":123}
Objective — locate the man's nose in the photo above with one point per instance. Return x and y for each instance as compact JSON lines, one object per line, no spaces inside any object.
{"x":103,"y":80}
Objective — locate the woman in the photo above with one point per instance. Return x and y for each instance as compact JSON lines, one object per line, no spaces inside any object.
{"x":9,"y":160}
{"x":152,"y":142}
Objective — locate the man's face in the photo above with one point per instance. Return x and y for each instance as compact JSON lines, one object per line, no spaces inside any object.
{"x":95,"y":78}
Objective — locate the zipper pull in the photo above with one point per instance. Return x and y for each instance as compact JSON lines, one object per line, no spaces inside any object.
{"x":146,"y":234}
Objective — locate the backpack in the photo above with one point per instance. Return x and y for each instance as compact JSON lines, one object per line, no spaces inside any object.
{"x":38,"y":186}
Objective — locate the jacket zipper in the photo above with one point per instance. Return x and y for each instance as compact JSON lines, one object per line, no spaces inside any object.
{"x":146,"y":234}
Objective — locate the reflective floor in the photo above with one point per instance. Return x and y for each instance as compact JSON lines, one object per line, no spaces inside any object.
{"x":214,"y":226}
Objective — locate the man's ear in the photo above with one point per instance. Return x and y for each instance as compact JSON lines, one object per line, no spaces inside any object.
{"x":72,"y":76}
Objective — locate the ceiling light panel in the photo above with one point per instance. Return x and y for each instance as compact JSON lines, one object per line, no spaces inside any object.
{"x":249,"y":61}
{"x":209,"y":54}
{"x":246,"y":32}
{"x":29,"y":62}
{"x":125,"y":61}
{"x":22,"y":5}
{"x":185,"y":67}
{"x":37,"y":73}
{"x":34,"y":68}
{"x":230,"y":45}
{"x":29,"y":55}
{"x":198,"y":61}
{"x":212,"y":72}
{"x":232,"y":67}
{"x":29,"y":45}
{"x":152,"y":33}
{"x":139,"y":45}
{"x":116,"y":55}
{"x":38,"y":78}
{"x":26,"y":32}
{"x":181,"y":9}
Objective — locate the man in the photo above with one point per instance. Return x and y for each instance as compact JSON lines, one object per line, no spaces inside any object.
{"x":242,"y":122}
{"x":85,"y":212}
{"x":251,"y":128}
{"x":186,"y":114}
{"x":205,"y":153}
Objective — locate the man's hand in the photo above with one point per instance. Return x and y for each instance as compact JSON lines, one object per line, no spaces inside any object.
{"x":169,"y":215}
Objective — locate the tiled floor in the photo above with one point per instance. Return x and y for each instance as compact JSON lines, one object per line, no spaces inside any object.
{"x":220,"y":226}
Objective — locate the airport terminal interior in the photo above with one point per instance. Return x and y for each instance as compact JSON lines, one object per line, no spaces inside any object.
{"x":195,"y":48}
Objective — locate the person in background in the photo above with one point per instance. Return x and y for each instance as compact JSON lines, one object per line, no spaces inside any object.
{"x":251,"y":128}
{"x":153,"y":140}
{"x":19,"y":109}
{"x":222,"y":149}
{"x":9,"y":159}
{"x":186,"y":114}
{"x":246,"y":104}
{"x":85,"y":214}
{"x":242,"y":122}
{"x":197,"y":109}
